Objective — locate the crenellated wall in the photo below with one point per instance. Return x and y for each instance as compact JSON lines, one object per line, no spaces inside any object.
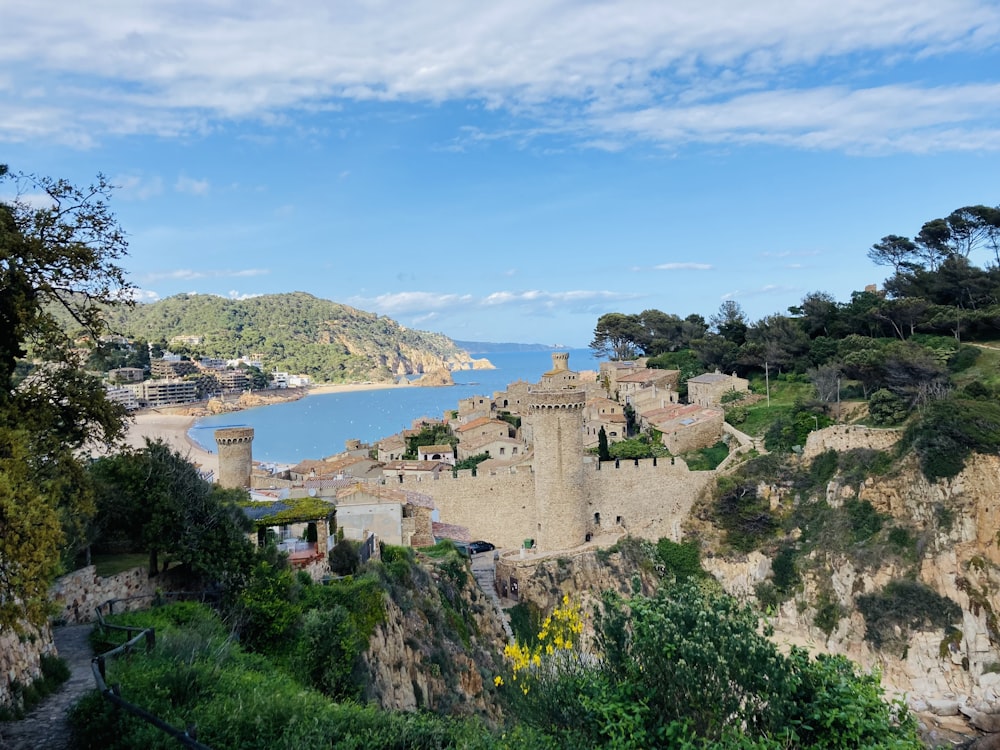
{"x":645,"y":497}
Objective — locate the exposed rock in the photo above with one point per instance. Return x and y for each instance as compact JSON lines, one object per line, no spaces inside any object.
{"x":440,"y":376}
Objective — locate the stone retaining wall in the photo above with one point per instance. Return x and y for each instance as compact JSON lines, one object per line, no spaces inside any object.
{"x":77,"y":594}
{"x":845,"y":437}
{"x":20,"y":658}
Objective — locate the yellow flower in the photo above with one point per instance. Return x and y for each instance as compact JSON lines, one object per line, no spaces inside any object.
{"x":498,"y":680}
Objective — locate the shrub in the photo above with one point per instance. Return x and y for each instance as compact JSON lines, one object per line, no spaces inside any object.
{"x":823,"y":467}
{"x":865,"y":520}
{"x":948,"y":431}
{"x":783,"y":570}
{"x":904,"y":605}
{"x":345,"y":557}
{"x":746,"y":518}
{"x":683,"y":560}
{"x":886,"y":408}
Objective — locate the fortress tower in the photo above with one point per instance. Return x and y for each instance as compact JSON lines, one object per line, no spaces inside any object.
{"x":235,"y":456}
{"x":560,"y":361}
{"x":560,"y":495}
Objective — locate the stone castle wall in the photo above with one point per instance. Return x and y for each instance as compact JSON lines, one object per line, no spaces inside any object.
{"x":644,"y":498}
{"x":499,"y":507}
{"x":843,"y":437}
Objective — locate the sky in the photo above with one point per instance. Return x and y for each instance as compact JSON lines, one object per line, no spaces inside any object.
{"x":511,"y":171}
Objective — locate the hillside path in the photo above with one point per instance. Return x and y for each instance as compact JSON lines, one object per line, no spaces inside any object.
{"x":47,"y":726}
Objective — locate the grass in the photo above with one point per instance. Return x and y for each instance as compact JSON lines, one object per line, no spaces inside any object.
{"x":109,"y":565}
{"x":784,"y":395}
{"x":986,"y":368}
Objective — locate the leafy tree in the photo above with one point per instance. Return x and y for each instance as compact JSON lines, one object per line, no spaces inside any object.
{"x":817,"y":314}
{"x":781,"y":342}
{"x":58,"y":254}
{"x":886,"y":408}
{"x":617,"y":336}
{"x":893,"y":250}
{"x":156,"y":499}
{"x":730,"y":322}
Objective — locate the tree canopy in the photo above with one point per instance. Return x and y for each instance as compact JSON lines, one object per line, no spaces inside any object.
{"x":59,"y":251}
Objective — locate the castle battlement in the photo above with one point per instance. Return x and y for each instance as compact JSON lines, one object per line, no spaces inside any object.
{"x":233,"y":435}
{"x":568,"y":399}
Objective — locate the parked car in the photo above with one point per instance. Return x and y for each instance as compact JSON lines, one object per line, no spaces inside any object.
{"x":480,"y":546}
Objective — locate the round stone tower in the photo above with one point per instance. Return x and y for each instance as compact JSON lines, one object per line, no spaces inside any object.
{"x":560,"y":502}
{"x":235,"y":456}
{"x":560,"y":361}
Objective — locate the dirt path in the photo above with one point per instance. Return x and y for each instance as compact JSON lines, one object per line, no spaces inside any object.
{"x":47,"y":727}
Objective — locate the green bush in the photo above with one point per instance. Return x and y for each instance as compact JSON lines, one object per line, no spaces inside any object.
{"x":865,"y":520}
{"x":783,"y":570}
{"x":949,"y":431}
{"x":691,"y":668}
{"x":886,"y":408}
{"x":683,"y":560}
{"x":823,"y":467}
{"x":746,"y":518}
{"x":903,"y":606}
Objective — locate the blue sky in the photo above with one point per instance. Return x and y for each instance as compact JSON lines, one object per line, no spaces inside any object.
{"x":510,"y":171}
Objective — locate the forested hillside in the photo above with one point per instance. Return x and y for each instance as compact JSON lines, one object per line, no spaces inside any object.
{"x":295,"y":332}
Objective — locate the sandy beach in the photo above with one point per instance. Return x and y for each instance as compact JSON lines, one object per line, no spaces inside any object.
{"x":172,"y":429}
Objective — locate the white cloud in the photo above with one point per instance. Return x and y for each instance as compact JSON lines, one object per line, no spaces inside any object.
{"x":137,"y":187}
{"x":191,"y":186}
{"x":682,"y":267}
{"x":187,"y":274}
{"x":533,"y":301}
{"x":800,"y":74}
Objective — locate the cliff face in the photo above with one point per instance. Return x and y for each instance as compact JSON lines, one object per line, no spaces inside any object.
{"x":957,"y":555}
{"x":438,"y":646}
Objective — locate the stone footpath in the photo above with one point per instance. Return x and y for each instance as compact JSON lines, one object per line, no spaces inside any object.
{"x":47,"y":726}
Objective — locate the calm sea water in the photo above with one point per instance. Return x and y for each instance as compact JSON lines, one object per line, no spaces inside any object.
{"x":318,"y":425}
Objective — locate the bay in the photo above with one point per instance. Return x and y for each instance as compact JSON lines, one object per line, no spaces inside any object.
{"x":318,"y":425}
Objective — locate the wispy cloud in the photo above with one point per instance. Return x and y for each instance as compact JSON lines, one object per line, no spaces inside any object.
{"x":191,"y":186}
{"x":424,"y":304}
{"x":137,"y":187}
{"x":804,"y":75}
{"x":187,"y":274}
{"x":679,"y":267}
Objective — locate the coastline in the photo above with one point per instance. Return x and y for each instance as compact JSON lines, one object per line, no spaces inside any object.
{"x":171,"y":424}
{"x":172,"y":429}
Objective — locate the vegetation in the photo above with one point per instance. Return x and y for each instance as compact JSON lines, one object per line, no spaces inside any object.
{"x":689,"y":668}
{"x":54,"y":673}
{"x":58,"y":255}
{"x":429,"y":434}
{"x":153,"y":500}
{"x":902,"y":607}
{"x":296,"y":332}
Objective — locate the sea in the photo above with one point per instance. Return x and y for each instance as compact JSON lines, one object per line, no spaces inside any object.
{"x":320,"y":424}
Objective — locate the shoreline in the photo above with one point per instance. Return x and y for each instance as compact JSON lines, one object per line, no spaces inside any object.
{"x":172,"y":429}
{"x":171,"y":424}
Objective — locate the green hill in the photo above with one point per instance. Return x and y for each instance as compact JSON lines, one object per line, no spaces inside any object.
{"x":295,"y":332}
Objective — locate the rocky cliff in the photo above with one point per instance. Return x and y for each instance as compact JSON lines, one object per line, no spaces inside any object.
{"x":438,"y":646}
{"x":953,"y":527}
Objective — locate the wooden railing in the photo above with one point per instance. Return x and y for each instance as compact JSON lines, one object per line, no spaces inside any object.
{"x":112,"y":694}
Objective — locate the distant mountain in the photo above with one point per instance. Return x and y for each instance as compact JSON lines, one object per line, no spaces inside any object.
{"x":485,"y":347}
{"x":293,"y":332}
